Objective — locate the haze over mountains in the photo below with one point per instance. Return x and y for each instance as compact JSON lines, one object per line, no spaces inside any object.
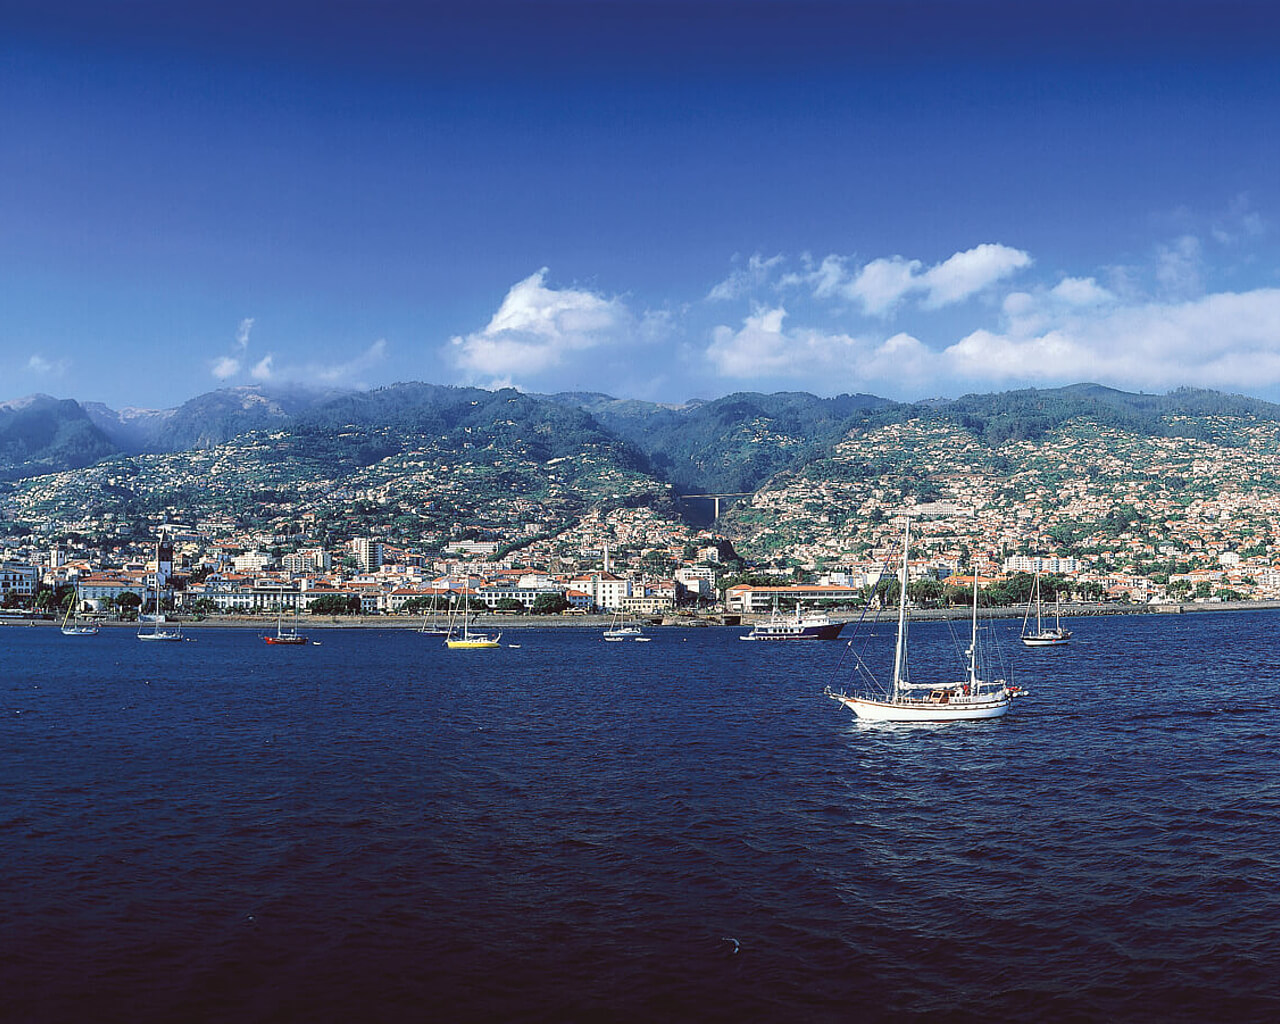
{"x":729,"y":444}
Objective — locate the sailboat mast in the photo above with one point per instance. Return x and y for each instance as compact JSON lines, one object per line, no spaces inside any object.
{"x":899,"y":652}
{"x":973,"y":639}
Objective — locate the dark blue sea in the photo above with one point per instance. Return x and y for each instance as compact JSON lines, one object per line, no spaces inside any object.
{"x":377,"y":829}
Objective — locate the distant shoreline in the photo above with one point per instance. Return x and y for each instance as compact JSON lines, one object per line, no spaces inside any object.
{"x":268,"y":623}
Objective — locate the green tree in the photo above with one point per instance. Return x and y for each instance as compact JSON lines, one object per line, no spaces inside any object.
{"x":335,"y":604}
{"x":1092,"y":591}
{"x":128,"y":604}
{"x":926,"y":593}
{"x":549,"y":604}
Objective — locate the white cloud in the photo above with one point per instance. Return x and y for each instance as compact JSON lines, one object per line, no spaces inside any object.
{"x":1229,"y":340}
{"x":880,"y":285}
{"x":344,"y":374}
{"x":45,"y":367}
{"x":1076,"y":330}
{"x":745,"y":280}
{"x":829,"y":277}
{"x":1239,"y":223}
{"x":759,"y":349}
{"x":969,"y":272}
{"x":1080,"y":291}
{"x":764,"y":348}
{"x":226,"y":367}
{"x":537,"y":328}
{"x":1178,"y":267}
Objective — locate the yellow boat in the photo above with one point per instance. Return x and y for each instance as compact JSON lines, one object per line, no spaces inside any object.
{"x":469,"y":641}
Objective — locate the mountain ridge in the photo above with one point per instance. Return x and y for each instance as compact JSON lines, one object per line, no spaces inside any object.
{"x":730,"y":444}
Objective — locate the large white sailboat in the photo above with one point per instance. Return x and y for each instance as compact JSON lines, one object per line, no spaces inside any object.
{"x":1055,"y":636}
{"x":971,"y":698}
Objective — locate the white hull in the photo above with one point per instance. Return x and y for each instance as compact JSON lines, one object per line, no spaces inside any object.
{"x":802,"y":626}
{"x":960,"y":709}
{"x":159,"y":636}
{"x":1055,"y":637}
{"x":69,"y":625}
{"x":971,"y":699}
{"x":1046,"y":640}
{"x":619,"y":630}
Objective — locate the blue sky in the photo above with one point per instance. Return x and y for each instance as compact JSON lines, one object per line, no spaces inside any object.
{"x":653,"y":200}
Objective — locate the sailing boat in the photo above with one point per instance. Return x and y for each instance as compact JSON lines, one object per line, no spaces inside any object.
{"x":969,"y":699}
{"x":468,"y":640}
{"x":619,"y":630}
{"x":156,"y":632}
{"x":1042,"y":637}
{"x":284,"y":636}
{"x":69,"y":625}
{"x":431,"y":625}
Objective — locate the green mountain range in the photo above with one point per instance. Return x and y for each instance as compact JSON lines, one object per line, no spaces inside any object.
{"x":414,"y":460}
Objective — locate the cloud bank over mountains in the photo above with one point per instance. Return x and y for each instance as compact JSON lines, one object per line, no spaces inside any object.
{"x":986,"y":317}
{"x":991,"y":316}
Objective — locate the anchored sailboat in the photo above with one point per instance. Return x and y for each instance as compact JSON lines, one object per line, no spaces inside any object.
{"x":971,"y":698}
{"x":285,"y":636}
{"x":156,"y":632}
{"x":619,"y":630}
{"x":1055,"y":637}
{"x":468,"y":640}
{"x":431,"y":624}
{"x":70,"y":627}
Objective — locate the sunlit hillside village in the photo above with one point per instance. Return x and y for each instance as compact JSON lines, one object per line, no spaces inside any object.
{"x":628,"y":560}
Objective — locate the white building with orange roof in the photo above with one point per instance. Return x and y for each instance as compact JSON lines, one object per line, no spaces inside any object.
{"x":607,"y":590}
{"x":100,"y":586}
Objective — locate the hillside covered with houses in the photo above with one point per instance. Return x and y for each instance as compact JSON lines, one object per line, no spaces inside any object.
{"x":524,"y":506}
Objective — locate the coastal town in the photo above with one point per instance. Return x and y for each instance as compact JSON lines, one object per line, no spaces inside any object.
{"x":1149,"y":549}
{"x":284,"y":521}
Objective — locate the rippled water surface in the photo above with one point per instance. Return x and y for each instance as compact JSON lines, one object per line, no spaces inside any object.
{"x":377,"y":829}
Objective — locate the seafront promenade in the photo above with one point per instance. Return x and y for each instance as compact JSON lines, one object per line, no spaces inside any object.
{"x":506,"y":621}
